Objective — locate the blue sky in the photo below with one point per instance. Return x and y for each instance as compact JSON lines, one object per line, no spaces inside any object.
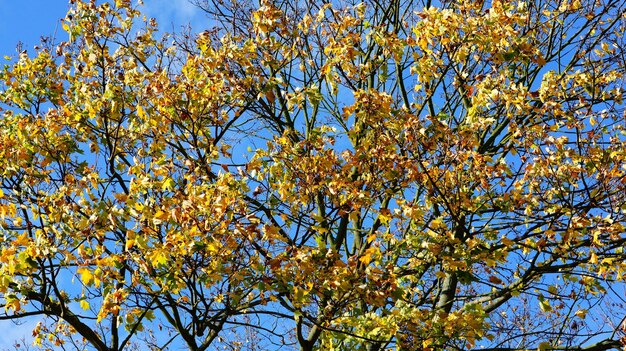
{"x":28,"y":20}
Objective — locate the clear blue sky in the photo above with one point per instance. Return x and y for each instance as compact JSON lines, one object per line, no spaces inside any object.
{"x":27,"y":21}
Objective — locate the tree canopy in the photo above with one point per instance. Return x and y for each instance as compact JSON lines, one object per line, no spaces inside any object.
{"x":377,"y":175}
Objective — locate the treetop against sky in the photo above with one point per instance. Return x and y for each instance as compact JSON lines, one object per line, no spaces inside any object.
{"x":23,"y":26}
{"x":400,"y":175}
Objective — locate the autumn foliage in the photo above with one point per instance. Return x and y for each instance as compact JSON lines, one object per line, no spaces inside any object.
{"x":385,"y":175}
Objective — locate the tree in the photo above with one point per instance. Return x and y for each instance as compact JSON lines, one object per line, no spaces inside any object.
{"x":320,"y":176}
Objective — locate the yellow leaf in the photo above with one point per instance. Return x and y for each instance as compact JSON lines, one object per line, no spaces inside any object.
{"x":84,"y":304}
{"x":158,"y":258}
{"x":140,"y":112}
{"x":437,"y":223}
{"x":366,"y":259}
{"x":168,"y":184}
{"x":159,"y":217}
{"x":299,"y":295}
{"x":85,"y":276}
{"x":545,"y":306}
{"x":369,"y":254}
{"x":22,"y":240}
{"x":212,"y":248}
{"x":13,"y":304}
